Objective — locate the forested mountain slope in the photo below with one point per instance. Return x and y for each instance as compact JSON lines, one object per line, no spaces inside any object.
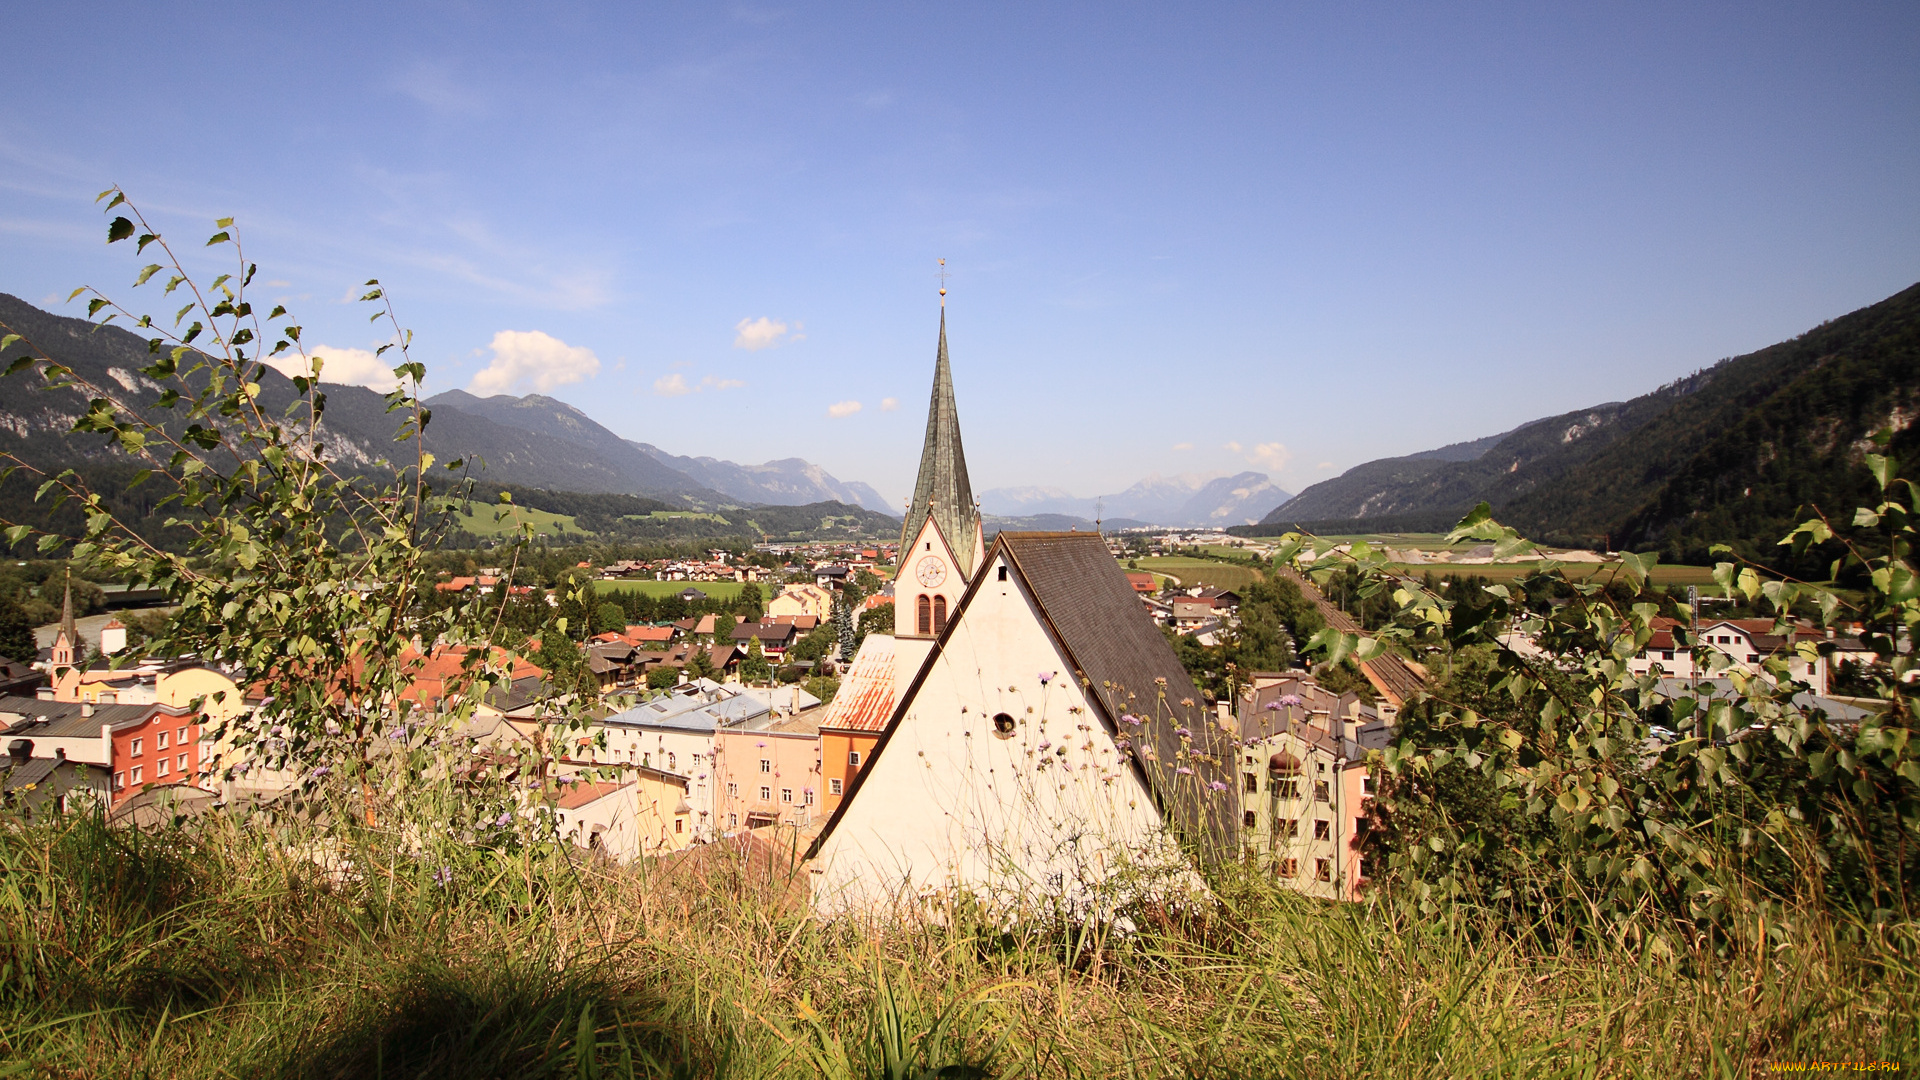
{"x":1727,"y":455}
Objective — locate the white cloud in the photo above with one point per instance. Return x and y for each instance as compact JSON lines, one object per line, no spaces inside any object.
{"x":763,"y":333}
{"x":889,"y":404}
{"x":1324,"y":465}
{"x":530,"y":358}
{"x":840,"y":409}
{"x":1272,"y":456}
{"x":671,"y":385}
{"x":722,"y":384}
{"x":1183,"y":446}
{"x":1234,"y":446}
{"x":350,"y":367}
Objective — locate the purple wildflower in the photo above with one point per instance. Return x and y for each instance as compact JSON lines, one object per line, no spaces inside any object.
{"x":1182,"y":732}
{"x":1129,"y":718}
{"x":503,"y":820}
{"x":443,"y":876}
{"x":1046,"y":677}
{"x":1044,"y":744}
{"x":1289,"y":699}
{"x":321,"y":771}
{"x":1184,"y":771}
{"x":1217,"y":786}
{"x":1273,"y":706}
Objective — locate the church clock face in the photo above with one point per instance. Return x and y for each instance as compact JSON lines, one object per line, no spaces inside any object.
{"x":931,"y":571}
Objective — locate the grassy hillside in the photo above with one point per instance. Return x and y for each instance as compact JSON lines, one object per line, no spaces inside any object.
{"x":225,"y":949}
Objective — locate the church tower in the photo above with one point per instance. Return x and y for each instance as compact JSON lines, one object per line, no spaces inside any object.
{"x":66,"y":642}
{"x":941,"y":543}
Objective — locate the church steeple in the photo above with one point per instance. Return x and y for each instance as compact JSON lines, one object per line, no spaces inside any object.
{"x":942,"y":491}
{"x":66,"y":642}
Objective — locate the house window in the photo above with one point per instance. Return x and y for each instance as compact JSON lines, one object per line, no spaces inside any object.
{"x":766,"y":765}
{"x":786,"y":794}
{"x":806,"y":797}
{"x":137,"y":773}
{"x":1286,"y":830}
{"x":137,"y":748}
{"x":1366,"y":785}
{"x":1323,"y":869}
{"x":180,"y":737}
{"x":766,"y":794}
{"x":1289,"y":867}
{"x":1666,"y":654}
{"x":1320,"y":791}
{"x":182,"y":763}
{"x":119,"y":781}
{"x":833,"y":786}
{"x":161,"y":769}
{"x":939,"y":614}
{"x":733,"y":821}
{"x":1286,"y":789}
{"x":1753,"y":658}
{"x":1253,"y":783}
{"x":923,"y":614}
{"x":1003,"y":573}
{"x":1323,"y":830}
{"x":853,"y":758}
{"x":160,"y":741}
{"x":1252,"y":820}
{"x":679,"y":824}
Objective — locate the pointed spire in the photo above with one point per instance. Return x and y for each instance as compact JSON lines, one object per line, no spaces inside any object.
{"x":67,"y":625}
{"x":942,"y":491}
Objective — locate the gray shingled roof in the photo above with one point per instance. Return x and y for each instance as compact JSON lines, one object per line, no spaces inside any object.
{"x":1122,"y":658}
{"x":64,"y":719}
{"x":942,"y":491}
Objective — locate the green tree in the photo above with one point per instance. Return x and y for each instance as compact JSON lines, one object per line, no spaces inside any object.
{"x":609,"y":617}
{"x":16,"y":633}
{"x":663,"y":677}
{"x":755,"y":668}
{"x":700,"y":664}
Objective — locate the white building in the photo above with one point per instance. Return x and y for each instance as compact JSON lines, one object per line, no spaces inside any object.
{"x":1045,"y":747}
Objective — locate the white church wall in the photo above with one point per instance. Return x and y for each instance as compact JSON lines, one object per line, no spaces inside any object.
{"x":1051,"y":813}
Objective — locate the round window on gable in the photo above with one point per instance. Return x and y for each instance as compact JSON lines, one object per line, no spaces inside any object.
{"x":1003,"y":726}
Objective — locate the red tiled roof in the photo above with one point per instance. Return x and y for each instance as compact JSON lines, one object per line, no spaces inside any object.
{"x":1142,"y":581}
{"x":865,"y":699}
{"x":575,"y":796}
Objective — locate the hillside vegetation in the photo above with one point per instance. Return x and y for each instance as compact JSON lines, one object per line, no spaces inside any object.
{"x":1737,"y":453}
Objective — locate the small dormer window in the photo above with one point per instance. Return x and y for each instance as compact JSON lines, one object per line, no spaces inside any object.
{"x":1003,"y":572}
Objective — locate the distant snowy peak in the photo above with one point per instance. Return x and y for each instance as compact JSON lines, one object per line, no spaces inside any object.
{"x":1187,"y":499}
{"x":786,"y":482}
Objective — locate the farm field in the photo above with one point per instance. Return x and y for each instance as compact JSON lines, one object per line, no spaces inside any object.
{"x":1502,"y":573}
{"x":668,"y":515}
{"x":479,"y":519}
{"x":1191,"y":571}
{"x":719,"y":590}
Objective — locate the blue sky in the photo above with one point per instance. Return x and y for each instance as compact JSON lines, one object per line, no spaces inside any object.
{"x":1182,"y":238}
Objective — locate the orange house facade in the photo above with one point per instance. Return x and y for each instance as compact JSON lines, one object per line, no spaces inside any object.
{"x":855,"y":718}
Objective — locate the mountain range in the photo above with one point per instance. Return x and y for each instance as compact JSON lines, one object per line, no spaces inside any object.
{"x":1186,"y":500}
{"x":1737,"y":453}
{"x":533,"y":441}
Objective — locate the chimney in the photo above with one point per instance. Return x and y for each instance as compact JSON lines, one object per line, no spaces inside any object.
{"x":19,"y":750}
{"x":44,"y":693}
{"x":86,"y":708}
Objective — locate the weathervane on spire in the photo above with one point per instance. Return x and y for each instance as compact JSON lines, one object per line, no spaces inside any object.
{"x":942,"y":275}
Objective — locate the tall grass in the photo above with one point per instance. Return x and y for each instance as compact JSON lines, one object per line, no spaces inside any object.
{"x":238,"y":947}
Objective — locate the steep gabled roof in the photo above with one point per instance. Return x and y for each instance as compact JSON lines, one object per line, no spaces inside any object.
{"x":942,"y":491}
